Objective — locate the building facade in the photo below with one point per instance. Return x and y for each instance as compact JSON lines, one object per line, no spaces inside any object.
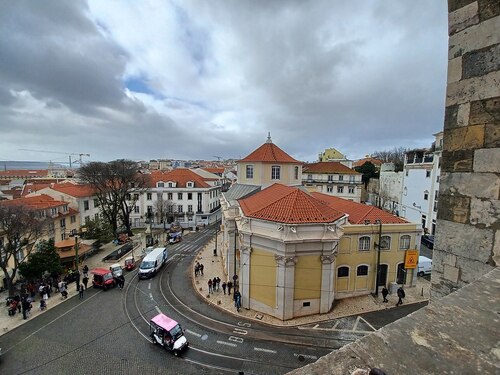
{"x":333,"y":178}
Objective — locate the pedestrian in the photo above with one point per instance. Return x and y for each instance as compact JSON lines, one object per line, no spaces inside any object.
{"x":18,"y":300}
{"x":121,"y":281}
{"x":209,"y":286}
{"x":237,"y":299}
{"x":85,"y":281}
{"x":401,"y":295}
{"x":80,"y":291}
{"x":214,"y":284}
{"x":43,"y":305}
{"x":218,"y":283}
{"x":385,"y":292}
{"x":25,"y":305}
{"x":77,"y":277}
{"x":197,"y":269}
{"x":85,"y":271}
{"x":224,"y":287}
{"x":201,"y":268}
{"x":235,"y":280}
{"x":229,"y":287}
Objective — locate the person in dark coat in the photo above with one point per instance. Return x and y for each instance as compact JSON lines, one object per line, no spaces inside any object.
{"x":85,"y":281}
{"x":401,"y":295}
{"x":237,"y":299}
{"x":385,"y":292}
{"x":229,"y":287}
{"x":224,"y":287}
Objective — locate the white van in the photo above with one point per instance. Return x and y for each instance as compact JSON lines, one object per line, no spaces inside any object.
{"x":152,"y":262}
{"x":424,"y":266}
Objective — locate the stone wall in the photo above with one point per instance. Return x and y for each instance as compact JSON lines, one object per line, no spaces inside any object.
{"x":468,"y":226}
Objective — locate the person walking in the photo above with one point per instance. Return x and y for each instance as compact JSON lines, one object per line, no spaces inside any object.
{"x":385,"y":292}
{"x":229,"y":287}
{"x":209,"y":286}
{"x":237,"y":299}
{"x":214,"y":284}
{"x":80,"y":291}
{"x":85,"y":271}
{"x":25,"y":307}
{"x":85,"y":281}
{"x":401,"y":295}
{"x":121,"y":281}
{"x":218,"y":283}
{"x":224,"y":287}
{"x":201,"y":268}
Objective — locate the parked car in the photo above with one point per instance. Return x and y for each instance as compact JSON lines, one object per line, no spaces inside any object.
{"x":428,"y":241}
{"x":103,"y":278}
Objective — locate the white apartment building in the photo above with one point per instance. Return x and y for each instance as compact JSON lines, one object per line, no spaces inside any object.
{"x":333,"y":178}
{"x":390,"y":189}
{"x":180,"y":195}
{"x":420,"y":193}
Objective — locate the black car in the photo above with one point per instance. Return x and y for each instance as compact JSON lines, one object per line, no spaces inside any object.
{"x":428,"y":241}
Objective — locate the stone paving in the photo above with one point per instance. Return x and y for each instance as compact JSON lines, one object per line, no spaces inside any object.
{"x":345,"y":307}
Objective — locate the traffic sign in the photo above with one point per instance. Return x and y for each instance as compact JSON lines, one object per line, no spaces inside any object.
{"x":411,"y":259}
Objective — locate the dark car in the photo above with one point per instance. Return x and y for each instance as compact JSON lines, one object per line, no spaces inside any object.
{"x":428,"y":241}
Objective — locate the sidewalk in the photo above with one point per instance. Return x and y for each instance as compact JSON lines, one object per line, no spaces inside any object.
{"x":345,"y":307}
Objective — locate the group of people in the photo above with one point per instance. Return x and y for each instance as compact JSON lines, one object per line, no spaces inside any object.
{"x":198,"y":269}
{"x":215,"y":284}
{"x":400,"y":292}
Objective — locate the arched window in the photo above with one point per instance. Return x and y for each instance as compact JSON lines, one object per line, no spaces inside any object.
{"x":404,"y":242}
{"x":343,"y":272}
{"x":364,"y":243}
{"x":385,"y":243}
{"x":362,"y":270}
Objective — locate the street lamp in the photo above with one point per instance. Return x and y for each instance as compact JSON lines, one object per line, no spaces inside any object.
{"x":82,"y":231}
{"x":378,"y":246}
{"x":215,"y":249}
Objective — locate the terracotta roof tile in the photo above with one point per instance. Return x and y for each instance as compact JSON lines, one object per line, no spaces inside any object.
{"x":328,"y":167}
{"x":23,"y":173}
{"x":358,"y":212}
{"x":180,"y":176}
{"x":269,"y":153}
{"x":74,"y":190}
{"x":374,"y":161}
{"x":289,"y":205}
{"x":37,"y":202}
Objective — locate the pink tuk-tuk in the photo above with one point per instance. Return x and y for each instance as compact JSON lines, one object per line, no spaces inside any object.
{"x":129,"y":263}
{"x":168,"y":333}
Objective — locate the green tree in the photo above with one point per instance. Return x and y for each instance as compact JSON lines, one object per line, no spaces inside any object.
{"x":99,"y":229}
{"x":368,"y":170}
{"x":44,"y":260}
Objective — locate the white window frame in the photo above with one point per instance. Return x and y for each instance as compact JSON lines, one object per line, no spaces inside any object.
{"x":364,"y":243}
{"x":275,"y":172}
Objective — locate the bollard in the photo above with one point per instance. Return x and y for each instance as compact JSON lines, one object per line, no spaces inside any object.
{"x":422,"y":293}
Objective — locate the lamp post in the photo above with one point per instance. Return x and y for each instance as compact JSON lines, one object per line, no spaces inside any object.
{"x":76,"y":235}
{"x":215,"y":249}
{"x":379,"y":245}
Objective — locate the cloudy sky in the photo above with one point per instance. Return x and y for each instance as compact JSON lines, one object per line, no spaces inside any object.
{"x":199,"y":79}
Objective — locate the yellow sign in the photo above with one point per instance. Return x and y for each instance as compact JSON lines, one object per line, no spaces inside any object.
{"x":411,"y":259}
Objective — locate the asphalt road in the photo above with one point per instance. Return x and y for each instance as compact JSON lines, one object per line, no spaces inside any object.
{"x":108,"y":332}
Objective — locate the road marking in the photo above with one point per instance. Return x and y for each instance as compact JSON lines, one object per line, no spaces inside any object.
{"x":336,"y":324}
{"x":265,"y":350}
{"x":226,"y":343}
{"x":150,"y":296}
{"x":369,"y":325}
{"x":158,"y":309}
{"x":356,"y":323}
{"x":192,"y":333}
{"x":149,"y":285}
{"x":239,"y":331}
{"x":244,"y":324}
{"x":236,"y":339}
{"x":306,"y":356}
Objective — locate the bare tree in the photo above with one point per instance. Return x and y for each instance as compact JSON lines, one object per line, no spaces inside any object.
{"x":161,"y":209}
{"x":118,"y":186}
{"x":20,"y":227}
{"x":395,"y":155}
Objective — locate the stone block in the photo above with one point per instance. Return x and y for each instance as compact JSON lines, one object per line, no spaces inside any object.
{"x":451,"y":273}
{"x":454,"y":208}
{"x":463,"y":17}
{"x":488,"y":9}
{"x":450,"y":260}
{"x":492,"y":135}
{"x":454,"y":5}
{"x":475,"y":88}
{"x":471,"y":270}
{"x":450,"y":116}
{"x":465,"y":241}
{"x":468,"y":137}
{"x":463,"y":114}
{"x":474,"y":37}
{"x":485,"y":111}
{"x":477,"y":185}
{"x":480,"y":62}
{"x":485,"y":213}
{"x":495,"y":259}
{"x":438,"y":257}
{"x":487,"y":160}
{"x":455,"y":69}
{"x":457,"y":161}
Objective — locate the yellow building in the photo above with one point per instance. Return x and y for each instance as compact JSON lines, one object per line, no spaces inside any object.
{"x":331,"y":154}
{"x":296,"y":252}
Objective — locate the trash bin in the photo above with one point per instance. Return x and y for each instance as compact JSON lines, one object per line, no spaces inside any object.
{"x":393,"y":288}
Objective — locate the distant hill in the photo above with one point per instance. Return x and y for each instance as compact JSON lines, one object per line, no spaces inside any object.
{"x":7,"y":165}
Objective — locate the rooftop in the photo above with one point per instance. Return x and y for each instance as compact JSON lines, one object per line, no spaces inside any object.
{"x":285,"y":204}
{"x":328,"y":167}
{"x":269,"y":153}
{"x":181,"y":176}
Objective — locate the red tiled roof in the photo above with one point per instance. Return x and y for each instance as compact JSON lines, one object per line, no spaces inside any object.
{"x":180,"y":176}
{"x":358,"y":212}
{"x":23,"y":173}
{"x":328,"y":167}
{"x":374,"y":161}
{"x":285,"y":204}
{"x":269,"y":153}
{"x":214,"y":170}
{"x":74,"y":190}
{"x":38,"y":202}
{"x":31,"y":188}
